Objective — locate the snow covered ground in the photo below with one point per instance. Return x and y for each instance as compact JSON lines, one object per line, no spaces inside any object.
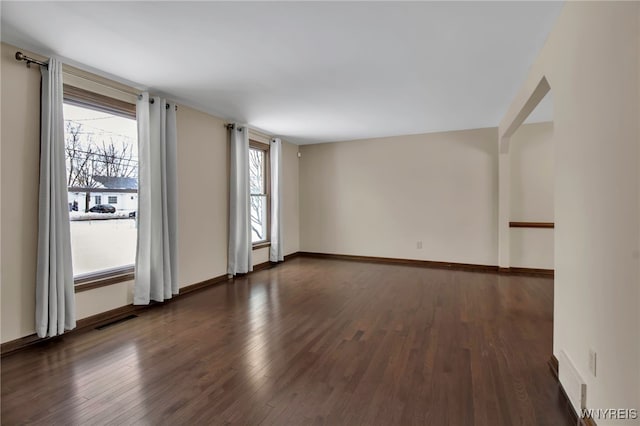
{"x":102,"y":244}
{"x":119,"y":214}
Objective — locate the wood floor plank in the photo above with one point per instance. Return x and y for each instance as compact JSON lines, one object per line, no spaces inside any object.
{"x":312,"y":341}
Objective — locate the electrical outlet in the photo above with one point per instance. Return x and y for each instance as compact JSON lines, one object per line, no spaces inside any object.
{"x":593,"y":359}
{"x":419,"y":244}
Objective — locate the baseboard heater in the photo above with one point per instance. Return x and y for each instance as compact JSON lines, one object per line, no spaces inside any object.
{"x":573,"y":384}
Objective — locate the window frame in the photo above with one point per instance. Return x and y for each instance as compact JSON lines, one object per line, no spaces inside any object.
{"x":92,"y":100}
{"x":87,"y":99}
{"x":265,"y":147}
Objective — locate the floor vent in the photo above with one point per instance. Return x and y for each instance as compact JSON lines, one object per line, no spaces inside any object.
{"x":118,"y":321}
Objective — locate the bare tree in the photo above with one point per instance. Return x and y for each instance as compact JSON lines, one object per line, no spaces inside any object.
{"x":116,"y":161}
{"x":86,"y":159}
{"x":80,"y":159}
{"x":81,"y":164}
{"x":256,"y":185}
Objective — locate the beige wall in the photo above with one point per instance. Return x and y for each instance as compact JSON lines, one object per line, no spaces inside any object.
{"x":531,"y":198}
{"x":379,"y":197}
{"x":592,"y":65}
{"x":290,"y":199}
{"x":19,"y":134}
{"x":202,"y":197}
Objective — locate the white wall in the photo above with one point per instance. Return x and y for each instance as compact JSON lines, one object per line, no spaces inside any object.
{"x":531,"y":195}
{"x":591,"y":61}
{"x":379,"y":197}
{"x":202,"y":198}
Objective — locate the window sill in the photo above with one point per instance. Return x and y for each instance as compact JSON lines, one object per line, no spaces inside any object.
{"x":104,"y":279}
{"x":263,"y":244}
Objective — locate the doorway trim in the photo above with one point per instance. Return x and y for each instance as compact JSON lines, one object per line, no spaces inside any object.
{"x":506,"y":129}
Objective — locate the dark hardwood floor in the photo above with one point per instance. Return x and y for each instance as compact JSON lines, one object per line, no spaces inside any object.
{"x":312,"y":341}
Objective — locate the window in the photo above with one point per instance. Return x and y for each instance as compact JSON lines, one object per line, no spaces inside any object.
{"x":101,"y":152}
{"x":259,"y":187}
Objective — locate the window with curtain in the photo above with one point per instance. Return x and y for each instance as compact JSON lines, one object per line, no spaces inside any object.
{"x":101,"y":153}
{"x":259,"y":186}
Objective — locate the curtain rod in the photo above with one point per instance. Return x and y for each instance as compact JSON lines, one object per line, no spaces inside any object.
{"x":70,"y":71}
{"x":22,"y":57}
{"x":231,"y":126}
{"x":152,"y":101}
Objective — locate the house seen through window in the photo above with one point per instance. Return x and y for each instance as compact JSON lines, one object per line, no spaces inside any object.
{"x":101,"y":152}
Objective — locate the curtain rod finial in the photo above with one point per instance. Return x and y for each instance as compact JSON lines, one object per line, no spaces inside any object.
{"x":22,"y":57}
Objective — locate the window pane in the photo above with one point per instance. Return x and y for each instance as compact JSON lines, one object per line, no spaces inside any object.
{"x":101,"y":153}
{"x":256,"y":171}
{"x":97,"y":245}
{"x":258,"y":218}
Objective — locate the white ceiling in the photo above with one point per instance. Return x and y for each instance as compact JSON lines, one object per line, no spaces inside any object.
{"x":307,"y":71}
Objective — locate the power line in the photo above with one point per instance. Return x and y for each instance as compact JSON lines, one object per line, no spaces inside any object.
{"x":99,"y":154}
{"x":101,"y":131}
{"x":125,"y":163}
{"x":90,"y":119}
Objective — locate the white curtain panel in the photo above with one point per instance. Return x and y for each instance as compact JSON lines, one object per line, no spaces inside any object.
{"x":276,"y":250}
{"x":156,"y":256}
{"x":240,"y":248}
{"x":55,"y":296}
